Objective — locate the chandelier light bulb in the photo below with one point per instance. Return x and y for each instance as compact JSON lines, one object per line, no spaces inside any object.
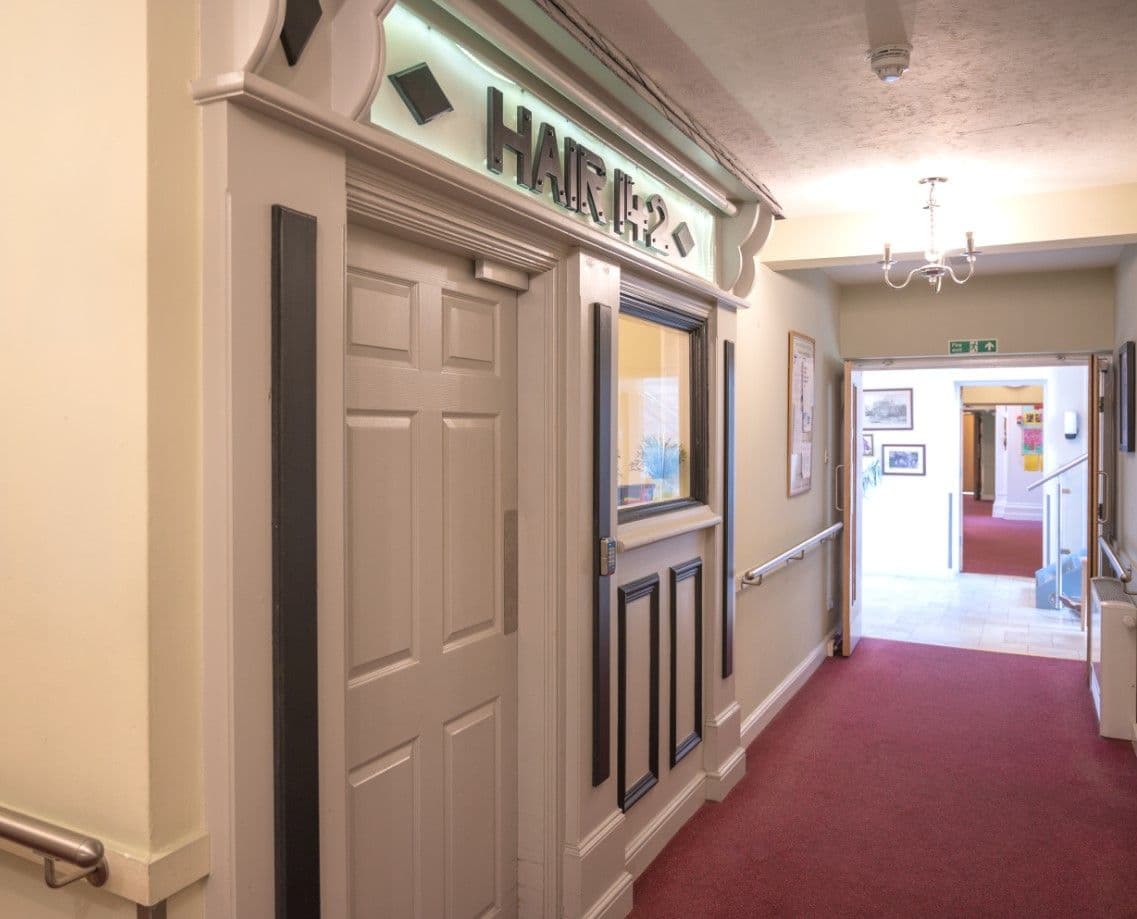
{"x":935,"y":267}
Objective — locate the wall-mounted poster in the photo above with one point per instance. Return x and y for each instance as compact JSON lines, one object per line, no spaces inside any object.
{"x":887,"y":410}
{"x":1031,"y":422}
{"x":799,"y":467}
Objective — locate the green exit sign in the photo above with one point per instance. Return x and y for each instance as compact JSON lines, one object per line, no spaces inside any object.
{"x":974,"y":346}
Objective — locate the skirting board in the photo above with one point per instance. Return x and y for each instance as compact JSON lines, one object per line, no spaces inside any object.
{"x":1010,"y":510}
{"x":642,"y":850}
{"x":590,"y":866}
{"x":719,"y":783}
{"x":754,"y":723}
{"x":616,"y":902}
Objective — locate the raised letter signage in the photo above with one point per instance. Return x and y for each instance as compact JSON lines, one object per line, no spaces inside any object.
{"x":500,"y":126}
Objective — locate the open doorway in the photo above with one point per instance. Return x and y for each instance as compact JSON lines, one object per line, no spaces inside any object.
{"x":1001,"y":457}
{"x":964,"y":544}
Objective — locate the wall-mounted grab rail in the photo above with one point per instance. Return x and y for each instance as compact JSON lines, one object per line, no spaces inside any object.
{"x":1124,"y":572}
{"x":755,"y":576}
{"x":54,"y":843}
{"x":1061,"y":470}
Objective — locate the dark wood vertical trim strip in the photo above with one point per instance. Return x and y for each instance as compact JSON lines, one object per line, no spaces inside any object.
{"x":602,"y":529}
{"x":681,"y":746}
{"x":728,"y":509}
{"x":627,"y":594}
{"x":699,"y":423}
{"x":295,"y":696}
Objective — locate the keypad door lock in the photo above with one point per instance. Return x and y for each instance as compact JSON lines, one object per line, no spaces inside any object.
{"x":607,"y":556}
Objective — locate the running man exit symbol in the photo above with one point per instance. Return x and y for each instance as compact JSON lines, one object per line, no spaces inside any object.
{"x":973,"y":346}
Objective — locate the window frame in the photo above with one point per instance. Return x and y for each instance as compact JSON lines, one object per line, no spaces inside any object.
{"x":696,"y":328}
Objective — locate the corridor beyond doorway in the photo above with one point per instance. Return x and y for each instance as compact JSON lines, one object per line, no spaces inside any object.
{"x":976,"y":611}
{"x":995,"y":545}
{"x":911,"y":780}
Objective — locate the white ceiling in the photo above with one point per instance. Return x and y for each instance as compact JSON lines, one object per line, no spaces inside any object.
{"x":1004,"y":96}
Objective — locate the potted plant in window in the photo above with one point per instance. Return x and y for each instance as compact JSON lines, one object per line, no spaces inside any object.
{"x":660,"y":459}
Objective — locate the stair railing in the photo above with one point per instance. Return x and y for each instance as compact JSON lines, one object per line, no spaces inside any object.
{"x":1060,"y":598}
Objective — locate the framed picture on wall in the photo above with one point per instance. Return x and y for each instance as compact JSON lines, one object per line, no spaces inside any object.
{"x":867,"y":448}
{"x":1126,"y":367}
{"x":799,"y":427}
{"x":902,"y":459}
{"x":887,"y":410}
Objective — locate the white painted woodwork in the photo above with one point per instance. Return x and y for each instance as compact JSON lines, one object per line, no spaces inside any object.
{"x":496,"y":273}
{"x":852,"y":495}
{"x":430,"y":396}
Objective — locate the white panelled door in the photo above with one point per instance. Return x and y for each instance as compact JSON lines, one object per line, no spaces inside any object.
{"x":430,"y":488}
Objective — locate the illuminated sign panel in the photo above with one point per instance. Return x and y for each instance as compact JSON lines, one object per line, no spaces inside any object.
{"x":498,"y":126}
{"x":577,"y":182}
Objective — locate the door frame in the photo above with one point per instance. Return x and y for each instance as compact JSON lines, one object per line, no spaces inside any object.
{"x":849,"y":502}
{"x":253,"y":164}
{"x":539,"y":421}
{"x":997,"y":361}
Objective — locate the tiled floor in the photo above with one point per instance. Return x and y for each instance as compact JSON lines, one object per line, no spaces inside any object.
{"x":981,"y":611}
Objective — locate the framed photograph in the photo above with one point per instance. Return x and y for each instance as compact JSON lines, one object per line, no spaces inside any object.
{"x":867,"y":448}
{"x":902,"y":459}
{"x":799,"y":426}
{"x":1126,"y":366}
{"x":887,"y":410}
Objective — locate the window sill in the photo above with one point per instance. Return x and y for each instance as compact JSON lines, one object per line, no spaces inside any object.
{"x":654,"y":529}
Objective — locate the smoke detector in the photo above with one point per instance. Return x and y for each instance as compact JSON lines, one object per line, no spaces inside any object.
{"x":890,"y":61}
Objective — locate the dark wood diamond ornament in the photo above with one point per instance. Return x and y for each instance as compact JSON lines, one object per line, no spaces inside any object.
{"x":420,"y":92}
{"x":684,"y":241}
{"x":300,"y":18}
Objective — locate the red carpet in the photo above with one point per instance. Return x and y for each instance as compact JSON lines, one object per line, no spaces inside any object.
{"x":992,"y":545}
{"x":912,"y":780}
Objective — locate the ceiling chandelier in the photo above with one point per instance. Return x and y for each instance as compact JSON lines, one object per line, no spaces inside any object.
{"x":936,"y":267}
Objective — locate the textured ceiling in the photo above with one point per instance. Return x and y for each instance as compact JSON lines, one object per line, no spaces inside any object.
{"x":1004,"y":96}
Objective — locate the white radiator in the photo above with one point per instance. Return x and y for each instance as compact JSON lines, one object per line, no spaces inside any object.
{"x":1113,"y":679}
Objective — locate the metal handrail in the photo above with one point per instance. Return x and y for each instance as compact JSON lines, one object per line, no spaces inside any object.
{"x":54,"y":843}
{"x":1061,"y":470}
{"x":755,"y":576}
{"x":1124,"y":572}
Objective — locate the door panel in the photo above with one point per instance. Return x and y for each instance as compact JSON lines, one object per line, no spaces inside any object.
{"x":851,"y":494}
{"x":430,"y":395}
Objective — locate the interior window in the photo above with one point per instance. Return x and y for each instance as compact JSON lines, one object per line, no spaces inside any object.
{"x":658,"y":459}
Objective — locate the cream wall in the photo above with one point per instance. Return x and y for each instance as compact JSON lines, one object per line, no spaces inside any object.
{"x":1002,"y":395}
{"x":1126,"y":330}
{"x":1027,"y":313}
{"x":99,"y":532}
{"x":779,"y":624}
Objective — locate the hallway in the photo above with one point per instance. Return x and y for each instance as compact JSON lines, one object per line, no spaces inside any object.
{"x":992,"y":545}
{"x":894,"y":785}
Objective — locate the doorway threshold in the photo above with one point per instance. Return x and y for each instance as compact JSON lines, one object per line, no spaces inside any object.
{"x":978,"y":611}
